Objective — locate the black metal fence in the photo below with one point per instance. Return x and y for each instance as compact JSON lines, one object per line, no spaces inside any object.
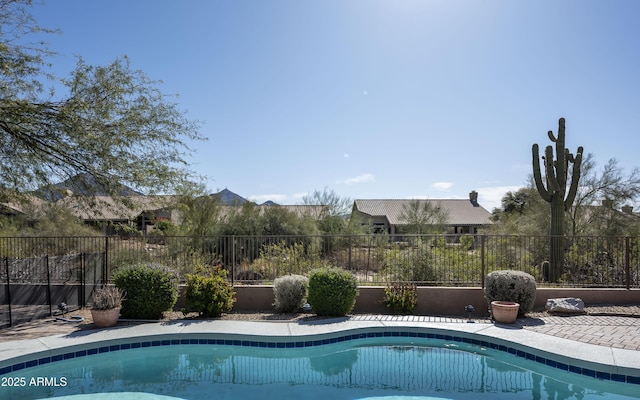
{"x":38,"y":273}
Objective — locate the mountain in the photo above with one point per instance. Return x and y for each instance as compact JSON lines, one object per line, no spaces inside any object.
{"x":228,"y":198}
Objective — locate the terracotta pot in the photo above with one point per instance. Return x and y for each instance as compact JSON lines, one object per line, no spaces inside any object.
{"x":105,"y":318}
{"x":505,"y":312}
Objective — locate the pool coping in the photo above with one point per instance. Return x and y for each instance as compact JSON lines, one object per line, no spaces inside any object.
{"x":601,"y":362}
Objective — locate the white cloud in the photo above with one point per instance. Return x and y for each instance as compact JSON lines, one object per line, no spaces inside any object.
{"x":261,"y":198}
{"x":346,"y":155}
{"x":491,"y":197}
{"x":442,"y":186}
{"x":358,"y":179}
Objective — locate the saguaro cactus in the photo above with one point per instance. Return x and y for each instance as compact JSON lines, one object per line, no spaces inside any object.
{"x":555,"y":192}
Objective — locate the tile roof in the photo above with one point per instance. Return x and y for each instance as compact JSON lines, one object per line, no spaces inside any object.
{"x":107,"y":208}
{"x":31,"y":205}
{"x":461,"y":211}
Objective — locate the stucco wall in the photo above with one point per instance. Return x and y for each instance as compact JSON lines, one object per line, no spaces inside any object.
{"x":439,"y":300}
{"x":431,"y":300}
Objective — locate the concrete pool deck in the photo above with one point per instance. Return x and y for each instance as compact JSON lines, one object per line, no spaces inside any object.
{"x":604,"y":343}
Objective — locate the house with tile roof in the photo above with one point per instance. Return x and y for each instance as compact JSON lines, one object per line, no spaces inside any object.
{"x":138,"y":212}
{"x":143,"y":212}
{"x":30,"y":206}
{"x":465,"y":216}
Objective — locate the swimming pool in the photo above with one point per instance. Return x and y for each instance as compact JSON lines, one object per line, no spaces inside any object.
{"x":358,"y":364}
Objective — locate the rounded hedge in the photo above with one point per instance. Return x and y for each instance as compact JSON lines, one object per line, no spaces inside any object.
{"x":150,"y":290}
{"x":332,"y":291}
{"x":515,"y":286}
{"x":210,"y":294}
{"x":290,"y":293}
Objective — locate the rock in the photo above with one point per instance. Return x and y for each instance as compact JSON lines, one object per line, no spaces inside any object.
{"x":567,"y":305}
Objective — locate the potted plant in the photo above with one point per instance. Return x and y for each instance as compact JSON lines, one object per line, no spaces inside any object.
{"x":107,"y":302}
{"x":505,"y":312}
{"x":509,"y":294}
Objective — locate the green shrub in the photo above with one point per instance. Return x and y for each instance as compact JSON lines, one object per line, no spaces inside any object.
{"x":414,"y":264}
{"x":290,"y":292}
{"x":515,"y":286}
{"x":401,"y":297}
{"x":466,"y":242}
{"x":209,"y":293}
{"x":332,"y":291}
{"x":279,"y":259}
{"x":151,"y":289}
{"x":165,"y":228}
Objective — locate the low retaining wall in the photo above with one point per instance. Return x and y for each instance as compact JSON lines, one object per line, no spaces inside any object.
{"x":431,"y":300}
{"x":434,"y":300}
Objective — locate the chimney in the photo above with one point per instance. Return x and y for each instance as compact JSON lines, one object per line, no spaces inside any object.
{"x":473,"y":198}
{"x":627,"y":209}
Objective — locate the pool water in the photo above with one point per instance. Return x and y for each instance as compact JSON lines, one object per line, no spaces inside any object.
{"x":368,"y":368}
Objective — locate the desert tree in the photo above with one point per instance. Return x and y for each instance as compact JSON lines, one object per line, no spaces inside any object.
{"x":600,"y":208}
{"x":112,"y":123}
{"x":423,"y":217}
{"x":522,"y":212}
{"x":200,"y":213}
{"x":601,"y":197}
{"x":332,"y":211}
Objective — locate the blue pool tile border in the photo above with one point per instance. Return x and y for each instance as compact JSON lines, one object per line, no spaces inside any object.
{"x":607,"y":376}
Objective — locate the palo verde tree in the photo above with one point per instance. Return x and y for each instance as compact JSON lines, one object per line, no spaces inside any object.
{"x":423,"y":217}
{"x":555,"y":191}
{"x":109,"y":122}
{"x":600,"y":195}
{"x":522,"y":212}
{"x":331,"y":211}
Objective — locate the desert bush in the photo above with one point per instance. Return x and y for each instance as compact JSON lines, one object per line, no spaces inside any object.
{"x":332,"y":291}
{"x":209,"y":293}
{"x":279,"y":259}
{"x":415,"y":264}
{"x":193,"y":261}
{"x":466,"y":242}
{"x":401,"y":297}
{"x":515,"y":286}
{"x":151,"y":289}
{"x":290,"y":292}
{"x":165,"y":228}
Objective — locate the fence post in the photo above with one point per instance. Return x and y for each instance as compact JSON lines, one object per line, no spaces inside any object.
{"x":46,"y":258}
{"x":627,"y":262}
{"x":350,"y":251}
{"x":83,"y":283}
{"x":105,"y":271}
{"x":233,"y":259}
{"x":6,"y":266}
{"x":483,"y":267}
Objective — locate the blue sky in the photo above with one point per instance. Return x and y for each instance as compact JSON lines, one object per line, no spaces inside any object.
{"x":375,"y":99}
